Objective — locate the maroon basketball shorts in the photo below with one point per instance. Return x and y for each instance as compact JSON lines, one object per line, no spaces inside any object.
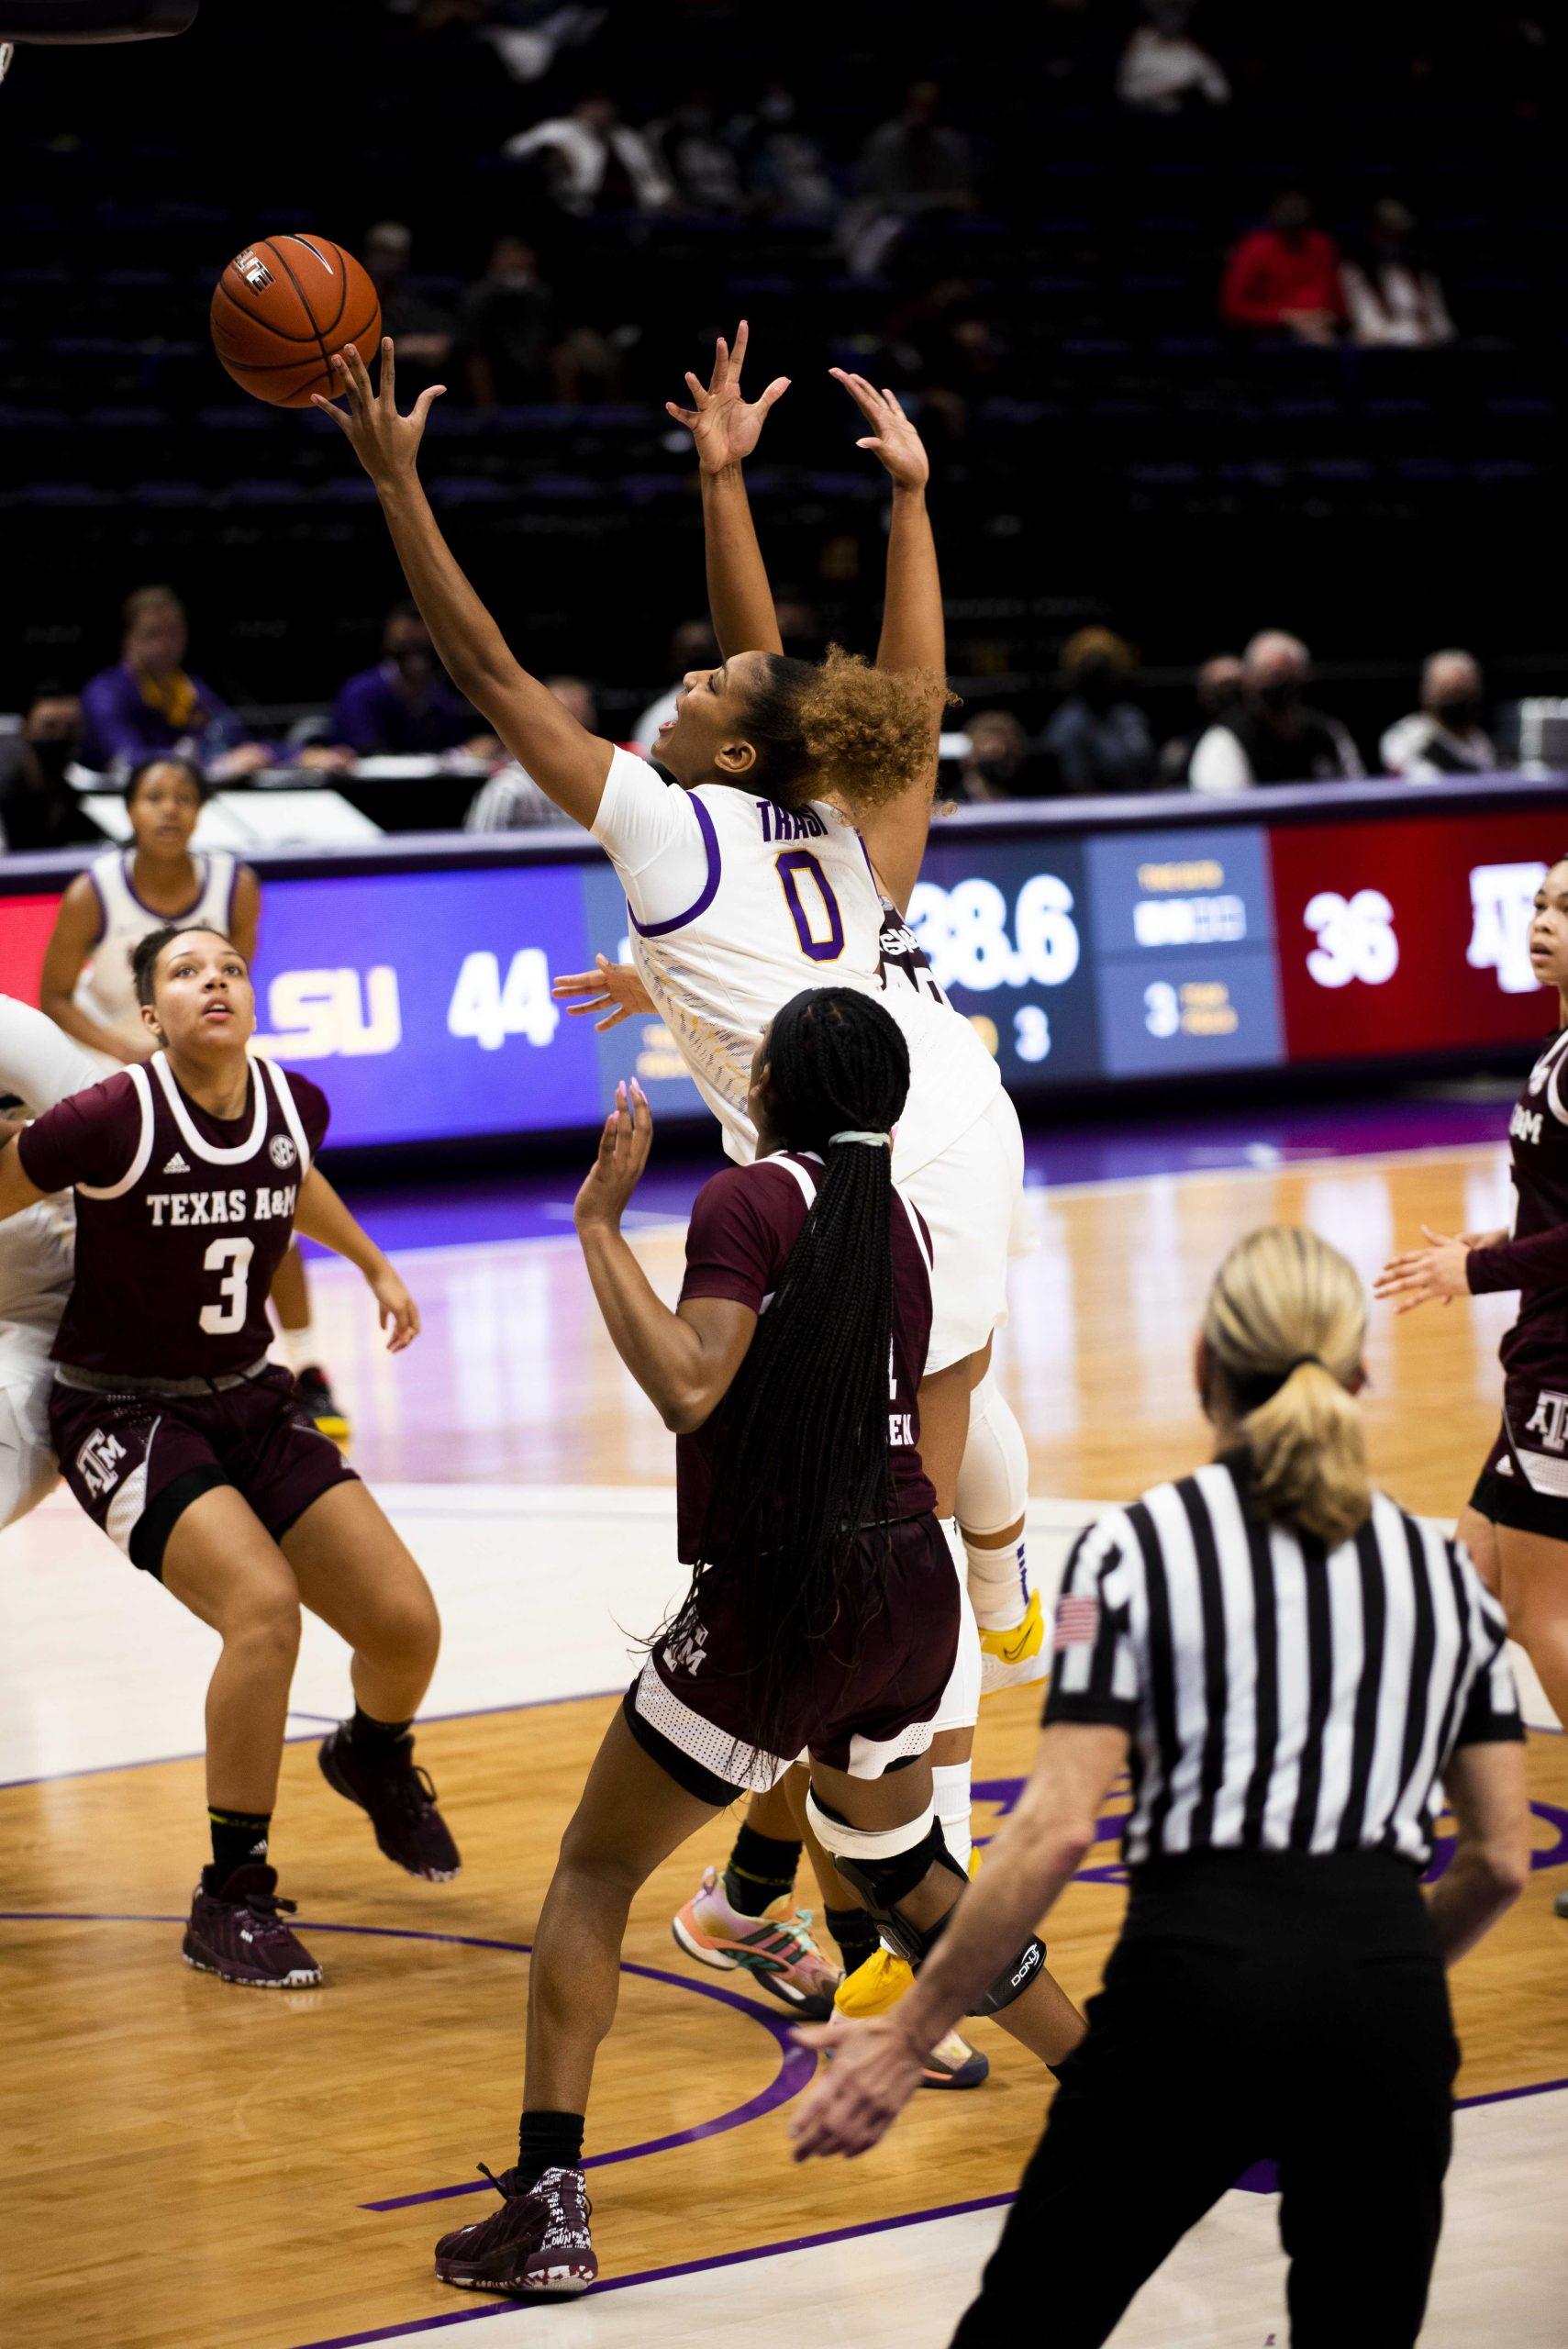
{"x":137,"y":1457}
{"x":1525,"y":1481}
{"x":864,"y":1708}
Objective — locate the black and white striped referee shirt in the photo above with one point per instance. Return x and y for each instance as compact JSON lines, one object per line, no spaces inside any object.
{"x":1280,"y":1696}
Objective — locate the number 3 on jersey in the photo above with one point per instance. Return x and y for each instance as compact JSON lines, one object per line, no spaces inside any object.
{"x":232,"y":1259}
{"x":794,"y":866}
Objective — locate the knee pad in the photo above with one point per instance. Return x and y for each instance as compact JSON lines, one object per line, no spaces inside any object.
{"x":885,"y":1869}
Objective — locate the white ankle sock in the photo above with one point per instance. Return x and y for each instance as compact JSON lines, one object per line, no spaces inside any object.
{"x":298,"y":1348}
{"x":949,"y":1789}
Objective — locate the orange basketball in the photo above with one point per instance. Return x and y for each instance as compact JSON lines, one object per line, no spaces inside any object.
{"x":282,"y":309}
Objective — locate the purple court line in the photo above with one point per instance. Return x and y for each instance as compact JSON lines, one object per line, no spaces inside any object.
{"x":681,"y":2267}
{"x":304,"y":1737}
{"x":796,"y":2064}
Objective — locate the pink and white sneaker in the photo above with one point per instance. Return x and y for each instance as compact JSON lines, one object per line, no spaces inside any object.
{"x":776,"y":1947}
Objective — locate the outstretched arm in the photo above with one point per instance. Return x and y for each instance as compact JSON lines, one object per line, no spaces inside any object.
{"x":913,"y":634}
{"x":726,"y":429}
{"x":685,"y":1362}
{"x":321,"y":1215}
{"x":563,"y":758}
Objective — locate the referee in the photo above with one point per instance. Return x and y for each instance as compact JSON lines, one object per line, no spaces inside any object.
{"x":1289,"y":1664}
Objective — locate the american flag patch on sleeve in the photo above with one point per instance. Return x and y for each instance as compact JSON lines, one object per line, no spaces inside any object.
{"x":1077,"y":1623}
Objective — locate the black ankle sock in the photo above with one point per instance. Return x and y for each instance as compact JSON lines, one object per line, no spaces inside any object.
{"x":857,"y":1937}
{"x":547,"y":2141}
{"x":379,"y":1739}
{"x":761,"y":1870}
{"x":239,"y":1840}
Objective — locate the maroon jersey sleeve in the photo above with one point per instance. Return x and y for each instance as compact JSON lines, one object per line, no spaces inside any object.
{"x":315,"y":1112}
{"x":1539,"y":1262}
{"x":743,"y":1226}
{"x":92,"y":1137}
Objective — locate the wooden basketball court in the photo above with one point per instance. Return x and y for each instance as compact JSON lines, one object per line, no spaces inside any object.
{"x":195,"y":2165}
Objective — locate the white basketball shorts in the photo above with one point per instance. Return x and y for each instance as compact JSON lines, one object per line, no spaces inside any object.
{"x":972,"y":1198}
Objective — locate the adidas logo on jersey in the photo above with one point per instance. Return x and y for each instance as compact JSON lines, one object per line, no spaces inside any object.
{"x":176,"y":1165}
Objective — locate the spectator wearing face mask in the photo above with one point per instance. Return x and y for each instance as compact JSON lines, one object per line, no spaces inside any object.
{"x":1217,"y":690}
{"x":1271,"y":735}
{"x":38,"y":809}
{"x":1446,"y":735}
{"x":404,"y":706}
{"x":1099,"y":738}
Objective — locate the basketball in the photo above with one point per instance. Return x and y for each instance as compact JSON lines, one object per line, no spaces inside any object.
{"x":281,"y":309}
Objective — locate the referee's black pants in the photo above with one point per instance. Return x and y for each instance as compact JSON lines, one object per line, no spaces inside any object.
{"x":1256,"y":2007}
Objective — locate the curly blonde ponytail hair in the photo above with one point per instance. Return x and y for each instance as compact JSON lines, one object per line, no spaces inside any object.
{"x":844,"y":730}
{"x":1284,"y":1328}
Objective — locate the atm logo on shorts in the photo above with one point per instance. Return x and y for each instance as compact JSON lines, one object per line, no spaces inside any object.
{"x":98,"y":1462}
{"x":1549,"y":1421}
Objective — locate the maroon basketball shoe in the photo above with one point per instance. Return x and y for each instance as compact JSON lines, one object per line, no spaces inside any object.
{"x":401,"y":1801}
{"x":240,"y":1936}
{"x":536,"y":2245}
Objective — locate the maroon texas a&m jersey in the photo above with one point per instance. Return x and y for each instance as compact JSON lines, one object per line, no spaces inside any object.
{"x":744,"y":1223}
{"x":181,"y":1219}
{"x":1535,"y":1258}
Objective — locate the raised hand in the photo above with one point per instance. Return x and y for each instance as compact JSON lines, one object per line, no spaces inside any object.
{"x":615,"y":985}
{"x":624,"y":1145}
{"x":385,"y":443}
{"x":396,"y":1309}
{"x":725,"y":426}
{"x":892,"y":437}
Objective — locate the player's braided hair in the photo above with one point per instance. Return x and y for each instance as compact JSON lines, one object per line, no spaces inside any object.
{"x":802,"y":1459}
{"x":840,"y":726}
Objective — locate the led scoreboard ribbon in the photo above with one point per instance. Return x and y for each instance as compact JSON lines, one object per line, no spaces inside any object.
{"x":1090,"y":946}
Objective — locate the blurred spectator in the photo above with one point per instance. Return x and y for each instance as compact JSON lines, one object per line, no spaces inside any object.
{"x":1099,"y":739}
{"x":1217,"y":690}
{"x":1284,"y":278}
{"x":148,"y":703}
{"x":37,"y":807}
{"x":593,"y":161}
{"x":998,"y":763}
{"x":1391,"y":291}
{"x":421,"y":328}
{"x":1447,"y":735}
{"x":512,"y":800}
{"x":785,"y":174}
{"x":699,"y":155}
{"x":913,"y":166}
{"x":507,"y":328}
{"x":1271,"y":736}
{"x":1164,"y":70}
{"x":691,"y":647}
{"x":406,"y":704}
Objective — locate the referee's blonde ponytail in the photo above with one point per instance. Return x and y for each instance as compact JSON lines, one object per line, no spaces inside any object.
{"x":1284,"y":1330}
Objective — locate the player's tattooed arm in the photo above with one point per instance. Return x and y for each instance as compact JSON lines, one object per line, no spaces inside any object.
{"x":685,"y":1362}
{"x":725,"y":429}
{"x":567,"y":762}
{"x":322,"y":1216}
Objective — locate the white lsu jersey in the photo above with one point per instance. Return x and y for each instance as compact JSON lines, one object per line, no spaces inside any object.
{"x":38,"y":1068}
{"x":106,"y":991}
{"x":737,"y":904}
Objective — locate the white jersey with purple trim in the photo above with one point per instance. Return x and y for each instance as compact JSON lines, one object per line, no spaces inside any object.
{"x":39,"y":1067}
{"x":736,"y":904}
{"x":104,"y":991}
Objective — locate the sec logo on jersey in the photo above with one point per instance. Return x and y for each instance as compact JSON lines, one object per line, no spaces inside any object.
{"x":280,"y":1151}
